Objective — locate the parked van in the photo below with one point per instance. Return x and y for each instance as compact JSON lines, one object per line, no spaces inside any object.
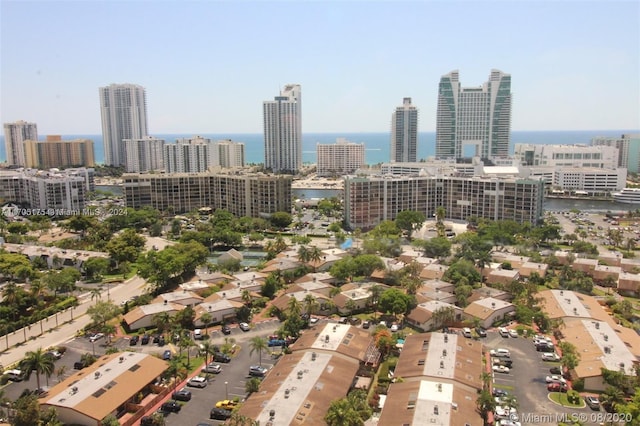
{"x":197,"y":334}
{"x":503,"y":332}
{"x":466,"y":332}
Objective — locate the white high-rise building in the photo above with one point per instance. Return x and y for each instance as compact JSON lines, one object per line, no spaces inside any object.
{"x":143,"y":155}
{"x":283,"y":131}
{"x":564,"y":156}
{"x":474,"y":121}
{"x":187,"y":155}
{"x":226,"y":153}
{"x":628,"y":150}
{"x":123,"y":108}
{"x":404,"y":133}
{"x":14,"y":136}
{"x":340,"y":158}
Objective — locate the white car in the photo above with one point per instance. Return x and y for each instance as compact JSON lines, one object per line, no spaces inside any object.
{"x":550,"y":356}
{"x":96,"y":337}
{"x":244,"y":326}
{"x":554,"y":378}
{"x":500,"y":353}
{"x":197,"y":382}
{"x":212,"y":368}
{"x":394,"y":328}
{"x":513,"y":333}
{"x":500,"y":369}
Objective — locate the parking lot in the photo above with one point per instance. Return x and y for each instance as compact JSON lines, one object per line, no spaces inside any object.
{"x":228,"y":384}
{"x":526,"y":380}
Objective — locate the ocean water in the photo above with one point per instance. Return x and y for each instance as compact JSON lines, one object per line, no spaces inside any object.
{"x":377,"y":145}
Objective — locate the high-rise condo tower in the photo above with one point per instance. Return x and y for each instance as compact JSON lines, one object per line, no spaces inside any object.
{"x":14,"y":136}
{"x":123,"y":108}
{"x":283,"y":131}
{"x":474,"y":121}
{"x":404,"y":133}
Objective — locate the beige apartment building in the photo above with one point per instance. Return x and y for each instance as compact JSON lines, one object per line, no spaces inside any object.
{"x":370,"y":200}
{"x":57,"y":153}
{"x":251,"y":194}
{"x":340,"y":158}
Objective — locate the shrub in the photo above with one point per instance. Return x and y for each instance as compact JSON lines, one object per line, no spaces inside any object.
{"x":573,"y":397}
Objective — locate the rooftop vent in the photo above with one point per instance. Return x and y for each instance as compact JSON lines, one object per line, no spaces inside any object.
{"x":313,"y":356}
{"x":441,"y":364}
{"x":121,"y":359}
{"x":435,"y":410}
{"x":96,"y":374}
{"x":446,"y":338}
{"x":444,"y":352}
{"x":439,"y":387}
{"x":597,"y":326}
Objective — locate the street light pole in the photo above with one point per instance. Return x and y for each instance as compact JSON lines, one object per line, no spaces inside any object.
{"x":226,"y":390}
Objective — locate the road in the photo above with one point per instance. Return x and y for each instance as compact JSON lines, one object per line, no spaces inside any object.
{"x":132,"y":287}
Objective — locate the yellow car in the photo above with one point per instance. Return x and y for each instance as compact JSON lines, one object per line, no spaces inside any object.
{"x":226,"y":404}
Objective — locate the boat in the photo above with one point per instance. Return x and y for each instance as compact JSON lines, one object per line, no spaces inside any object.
{"x":627,"y":196}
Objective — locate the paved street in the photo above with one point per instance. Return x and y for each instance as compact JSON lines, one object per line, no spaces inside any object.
{"x":64,"y":332}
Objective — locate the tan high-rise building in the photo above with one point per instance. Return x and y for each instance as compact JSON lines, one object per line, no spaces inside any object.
{"x":57,"y":153}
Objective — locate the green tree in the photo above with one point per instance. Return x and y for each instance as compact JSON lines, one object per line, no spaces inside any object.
{"x":281,"y":219}
{"x":95,"y":267}
{"x":102,"y":312}
{"x":61,"y":281}
{"x":252,"y":385}
{"x":342,"y":413}
{"x":38,"y":361}
{"x":437,"y":247}
{"x":486,"y":404}
{"x":126,"y":246}
{"x":258,"y":344}
{"x":409,"y":221}
{"x":162,"y":321}
{"x":26,"y":411}
{"x":396,"y":302}
{"x":110,"y":420}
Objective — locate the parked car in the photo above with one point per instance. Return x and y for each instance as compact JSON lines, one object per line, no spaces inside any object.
{"x":555,"y":370}
{"x":226,"y":404}
{"x":226,"y":329}
{"x":502,"y":361}
{"x":54,"y":354}
{"x":219,"y":414}
{"x":500,"y":369}
{"x":166,"y":355}
{"x":550,"y":356}
{"x":197,"y":334}
{"x":593,"y":402}
{"x":513,"y":333}
{"x":257,"y":371}
{"x":343,"y":320}
{"x":503,"y":332}
{"x":212,"y":368}
{"x":244,"y":326}
{"x":197,"y":382}
{"x":134,"y":340}
{"x":221,"y":357}
{"x":556,"y":387}
{"x":79,"y":365}
{"x":14,"y":375}
{"x":313,"y":320}
{"x":499,"y":392}
{"x":554,"y":378}
{"x":96,"y":337}
{"x":181,"y":395}
{"x":366,"y":324}
{"x":170,"y":407}
{"x":481,"y":332}
{"x":394,"y":328}
{"x":144,"y":340}
{"x":276,"y":342}
{"x":500,"y":353}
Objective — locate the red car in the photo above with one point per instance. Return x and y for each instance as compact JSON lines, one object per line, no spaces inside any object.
{"x":556,"y":387}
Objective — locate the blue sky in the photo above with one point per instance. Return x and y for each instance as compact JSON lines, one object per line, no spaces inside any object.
{"x":207,"y":66}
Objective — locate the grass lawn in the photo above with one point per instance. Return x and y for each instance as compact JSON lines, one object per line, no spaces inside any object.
{"x":561,"y":398}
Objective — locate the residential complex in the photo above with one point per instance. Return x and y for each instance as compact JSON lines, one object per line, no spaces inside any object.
{"x":283,"y":131}
{"x":143,"y":155}
{"x":14,"y":136}
{"x":187,"y":155}
{"x":474,"y":121}
{"x":404,"y":133}
{"x":57,"y":153}
{"x":226,"y":154}
{"x":114,"y":385}
{"x":340,"y":158}
{"x":628,"y":150}
{"x":372,"y":199}
{"x":441,"y":380}
{"x":123,"y":108}
{"x":40,"y":189}
{"x":253,"y":195}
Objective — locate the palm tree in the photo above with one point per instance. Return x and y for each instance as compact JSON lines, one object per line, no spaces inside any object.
{"x":486,"y":404}
{"x":315,"y":255}
{"x":60,"y":372}
{"x":294,"y":307}
{"x":11,"y":293}
{"x":176,"y":370}
{"x":37,"y":288}
{"x":342,"y":413}
{"x":162,"y":321}
{"x":96,"y":293}
{"x":258,"y":344}
{"x":611,"y":397}
{"x":246,"y":297}
{"x":37,"y":361}
{"x":375,"y":292}
{"x":311,"y":304}
{"x":206,"y":319}
{"x":207,"y":348}
{"x":303,"y":254}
